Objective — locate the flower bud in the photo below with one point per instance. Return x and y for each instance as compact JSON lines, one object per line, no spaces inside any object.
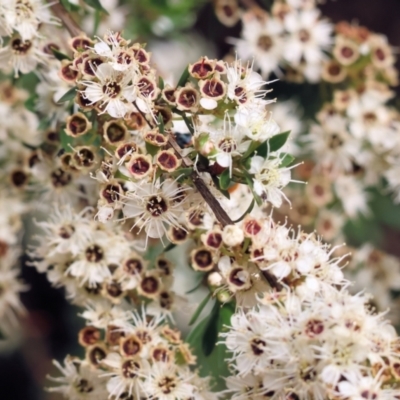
{"x":77,"y":125}
{"x":215,"y":279}
{"x":232,"y":235}
{"x":115,"y":132}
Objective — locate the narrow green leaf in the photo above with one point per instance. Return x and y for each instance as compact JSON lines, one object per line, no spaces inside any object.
{"x":161,"y":83}
{"x":211,"y":332}
{"x":161,"y":124}
{"x":224,"y":180}
{"x":68,"y":96}
{"x":66,"y":141}
{"x":184,"y":77}
{"x":223,"y":191}
{"x":96,"y":22}
{"x":30,"y":103}
{"x":199,"y":309}
{"x":277,"y":141}
{"x":169,"y":247}
{"x":67,"y":5}
{"x":286,"y":160}
{"x":59,"y":55}
{"x":96,"y":5}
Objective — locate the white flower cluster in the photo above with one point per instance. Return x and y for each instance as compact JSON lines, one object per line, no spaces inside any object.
{"x":135,"y":359}
{"x":24,"y":23}
{"x":99,"y":264}
{"x":332,"y":346}
{"x":293,"y":37}
{"x":356,"y":142}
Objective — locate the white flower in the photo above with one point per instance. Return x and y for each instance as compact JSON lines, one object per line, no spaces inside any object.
{"x":256,"y":123}
{"x":309,"y":37}
{"x":21,"y":56}
{"x":113,"y":91}
{"x":269,"y":179}
{"x":262,"y":40}
{"x":156,"y":206}
{"x":25,"y":16}
{"x":229,"y":142}
{"x":80,"y":381}
{"x":167,"y":382}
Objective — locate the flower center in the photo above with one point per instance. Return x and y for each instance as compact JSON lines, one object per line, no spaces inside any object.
{"x":21,"y":47}
{"x":264,"y":42}
{"x":156,"y":206}
{"x":304,"y":35}
{"x":227,"y":145}
{"x":94,"y":253}
{"x":112,"y":89}
{"x":167,"y":384}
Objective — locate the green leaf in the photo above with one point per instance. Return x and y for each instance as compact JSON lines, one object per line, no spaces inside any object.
{"x":184,"y":77}
{"x":161,"y":83}
{"x":250,"y":151}
{"x":169,"y":247}
{"x":385,"y":211}
{"x":66,"y":4}
{"x":223,"y":191}
{"x":210,"y":336}
{"x":96,"y":5}
{"x":30,"y":103}
{"x":262,"y":150}
{"x":286,"y":160}
{"x":151,"y":149}
{"x":224,"y":180}
{"x":277,"y":141}
{"x":68,"y":96}
{"x":199,"y":309}
{"x":161,"y":124}
{"x":96,"y":22}
{"x":66,"y":141}
{"x":59,"y":55}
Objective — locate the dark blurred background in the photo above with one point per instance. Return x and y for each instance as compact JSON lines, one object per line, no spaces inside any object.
{"x":50,"y":328}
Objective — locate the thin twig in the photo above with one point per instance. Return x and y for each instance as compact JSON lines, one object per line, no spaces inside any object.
{"x":203,"y":189}
{"x":60,"y":12}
